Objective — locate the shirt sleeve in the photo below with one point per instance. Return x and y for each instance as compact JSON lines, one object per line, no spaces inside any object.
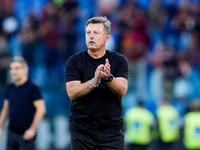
{"x":36,"y":93}
{"x":72,"y":72}
{"x":122,"y":67}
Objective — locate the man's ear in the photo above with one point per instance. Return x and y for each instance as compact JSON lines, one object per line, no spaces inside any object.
{"x":26,"y":70}
{"x":107,"y":38}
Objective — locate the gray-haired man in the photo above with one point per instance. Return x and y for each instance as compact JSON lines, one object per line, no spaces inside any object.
{"x":23,"y":106}
{"x":96,"y":79}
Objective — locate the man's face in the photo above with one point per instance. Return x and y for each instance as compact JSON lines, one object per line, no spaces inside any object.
{"x":17,"y":71}
{"x":95,"y":36}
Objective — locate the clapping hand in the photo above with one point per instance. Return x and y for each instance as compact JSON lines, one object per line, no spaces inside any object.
{"x":106,"y":70}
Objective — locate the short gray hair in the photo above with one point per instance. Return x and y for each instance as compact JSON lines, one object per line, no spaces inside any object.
{"x":100,"y":19}
{"x":21,"y":60}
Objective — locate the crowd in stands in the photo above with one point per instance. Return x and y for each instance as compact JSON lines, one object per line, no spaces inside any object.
{"x":160,"y":39}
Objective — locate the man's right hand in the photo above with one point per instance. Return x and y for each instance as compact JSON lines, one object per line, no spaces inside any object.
{"x":98,"y":75}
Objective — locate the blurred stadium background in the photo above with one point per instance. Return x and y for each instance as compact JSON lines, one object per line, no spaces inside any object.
{"x":160,"y":38}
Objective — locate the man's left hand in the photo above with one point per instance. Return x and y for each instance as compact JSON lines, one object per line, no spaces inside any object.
{"x":29,"y":134}
{"x":106,"y":70}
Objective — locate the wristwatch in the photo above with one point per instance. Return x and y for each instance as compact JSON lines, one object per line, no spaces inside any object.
{"x":110,"y":78}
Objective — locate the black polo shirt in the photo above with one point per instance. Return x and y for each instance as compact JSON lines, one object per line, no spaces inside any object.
{"x":21,"y":108}
{"x":100,"y":111}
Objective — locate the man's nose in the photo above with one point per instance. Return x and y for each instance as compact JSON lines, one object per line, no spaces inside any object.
{"x":91,"y":35}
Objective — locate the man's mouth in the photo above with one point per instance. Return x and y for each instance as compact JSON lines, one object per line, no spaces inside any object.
{"x":91,"y":42}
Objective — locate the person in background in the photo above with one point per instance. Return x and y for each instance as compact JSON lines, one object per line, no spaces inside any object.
{"x":192,"y":127}
{"x":96,"y":80}
{"x":139,"y":122}
{"x":4,"y":65}
{"x":168,"y":125}
{"x":23,"y":106}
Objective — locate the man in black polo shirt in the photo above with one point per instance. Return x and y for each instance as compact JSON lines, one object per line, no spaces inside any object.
{"x":96,"y":79}
{"x":25,"y":107}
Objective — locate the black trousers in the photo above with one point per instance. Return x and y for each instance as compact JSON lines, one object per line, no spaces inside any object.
{"x":81,"y":141}
{"x":136,"y":147}
{"x":16,"y":142}
{"x":166,"y":146}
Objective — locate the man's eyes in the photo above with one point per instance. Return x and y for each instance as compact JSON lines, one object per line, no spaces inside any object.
{"x":90,"y":32}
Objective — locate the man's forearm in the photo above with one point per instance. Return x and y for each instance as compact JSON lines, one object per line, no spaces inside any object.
{"x":39,"y":114}
{"x":79,"y":90}
{"x":4,"y":114}
{"x":3,"y":118}
{"x":118,"y":87}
